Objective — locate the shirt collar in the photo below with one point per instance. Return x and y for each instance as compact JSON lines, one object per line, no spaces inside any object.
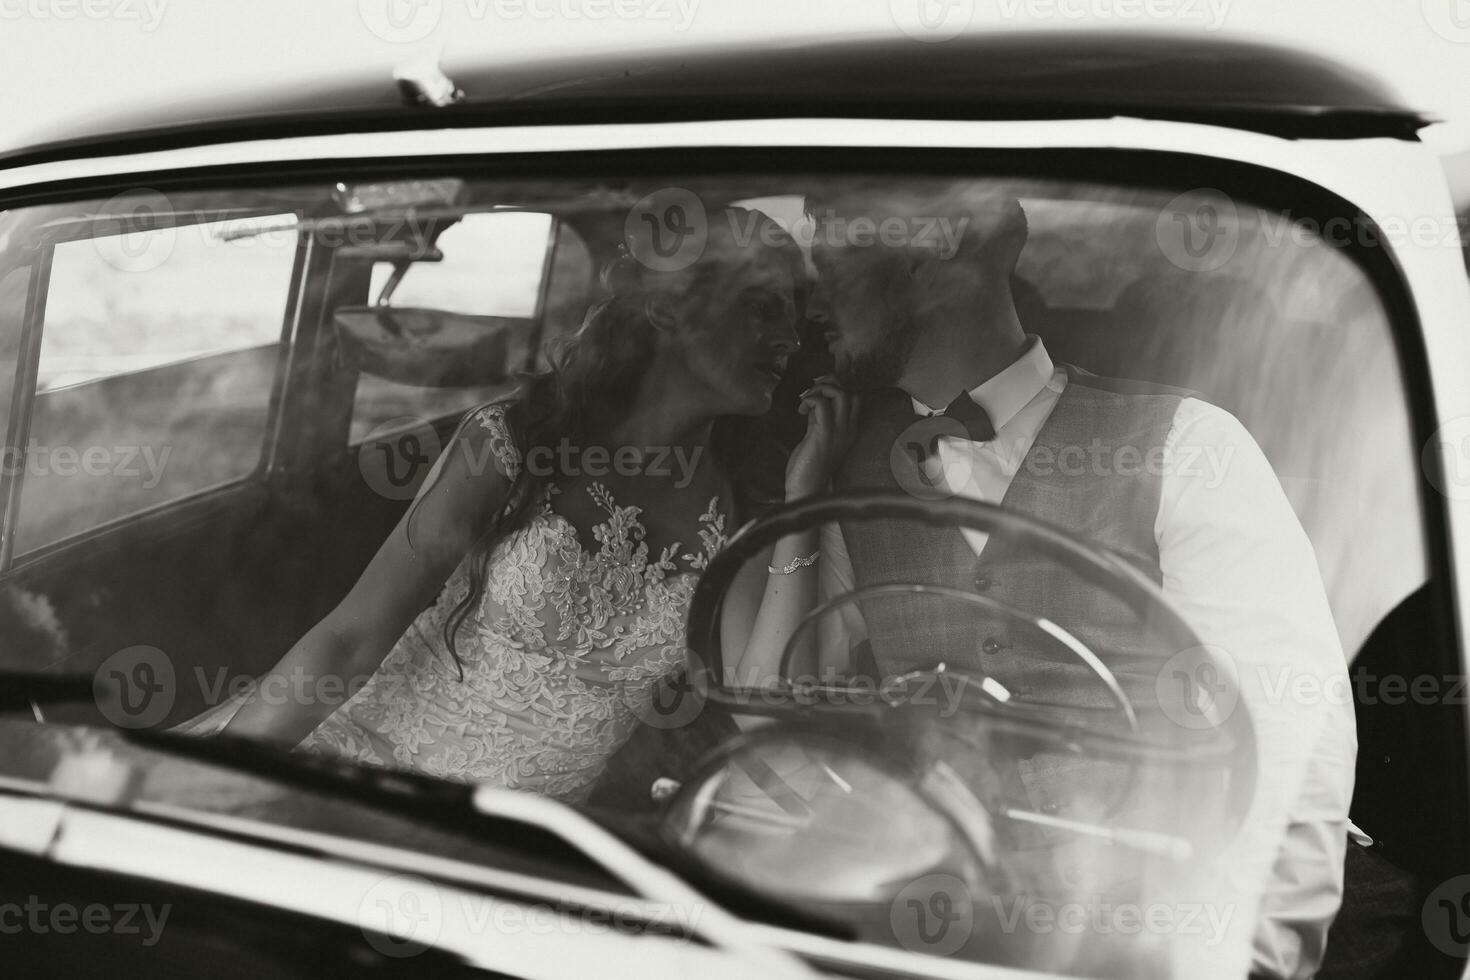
{"x":1005,"y":394}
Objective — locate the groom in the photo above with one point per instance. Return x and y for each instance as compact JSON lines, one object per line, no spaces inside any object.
{"x":960,"y":401}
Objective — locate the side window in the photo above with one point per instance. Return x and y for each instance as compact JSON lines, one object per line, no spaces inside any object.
{"x":158,"y":357}
{"x":494,"y":271}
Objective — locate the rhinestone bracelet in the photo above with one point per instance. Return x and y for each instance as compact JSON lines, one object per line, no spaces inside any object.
{"x":794,"y":564}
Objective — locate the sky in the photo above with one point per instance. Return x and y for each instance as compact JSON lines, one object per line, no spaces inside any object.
{"x":85,"y":58}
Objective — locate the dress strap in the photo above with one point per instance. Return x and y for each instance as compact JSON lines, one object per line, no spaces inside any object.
{"x":502,"y":443}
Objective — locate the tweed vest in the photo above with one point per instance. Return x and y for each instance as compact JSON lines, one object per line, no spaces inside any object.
{"x":1095,"y":469}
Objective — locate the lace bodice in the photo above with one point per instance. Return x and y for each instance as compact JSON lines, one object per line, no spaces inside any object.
{"x":560,"y":655}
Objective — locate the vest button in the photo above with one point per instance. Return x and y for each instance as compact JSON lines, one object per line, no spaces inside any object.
{"x":982,"y":582}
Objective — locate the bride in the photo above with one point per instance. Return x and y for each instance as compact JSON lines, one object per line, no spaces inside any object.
{"x":516,"y":621}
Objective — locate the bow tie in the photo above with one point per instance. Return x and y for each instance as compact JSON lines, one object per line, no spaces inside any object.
{"x":974,"y":418}
{"x":895,"y":402}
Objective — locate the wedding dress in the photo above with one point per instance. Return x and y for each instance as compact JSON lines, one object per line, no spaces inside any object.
{"x":561,"y":654}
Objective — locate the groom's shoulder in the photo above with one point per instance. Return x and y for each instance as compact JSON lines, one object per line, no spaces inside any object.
{"x":1122,"y":407}
{"x":1083,"y":381}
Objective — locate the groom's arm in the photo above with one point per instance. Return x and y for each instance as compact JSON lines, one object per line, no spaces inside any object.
{"x":1238,"y":566}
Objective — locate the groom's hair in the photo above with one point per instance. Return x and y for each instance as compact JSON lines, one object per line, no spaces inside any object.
{"x":990,"y":222}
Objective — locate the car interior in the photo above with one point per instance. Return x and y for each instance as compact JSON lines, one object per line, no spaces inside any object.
{"x":288,"y":444}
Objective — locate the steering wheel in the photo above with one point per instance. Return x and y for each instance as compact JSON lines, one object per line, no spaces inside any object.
{"x":1226,"y":740}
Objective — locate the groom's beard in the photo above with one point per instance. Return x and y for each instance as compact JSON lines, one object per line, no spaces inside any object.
{"x":883,"y":364}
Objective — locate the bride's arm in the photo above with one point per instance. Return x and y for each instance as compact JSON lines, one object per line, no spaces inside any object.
{"x":761,"y":612}
{"x":764,"y":606}
{"x":462,"y":491}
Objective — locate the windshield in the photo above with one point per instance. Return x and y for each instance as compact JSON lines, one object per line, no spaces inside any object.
{"x":426,"y":474}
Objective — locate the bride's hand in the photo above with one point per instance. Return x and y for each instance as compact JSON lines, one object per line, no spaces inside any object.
{"x":831,"y":424}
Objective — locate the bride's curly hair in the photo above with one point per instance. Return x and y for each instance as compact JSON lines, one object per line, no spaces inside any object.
{"x":594,"y":376}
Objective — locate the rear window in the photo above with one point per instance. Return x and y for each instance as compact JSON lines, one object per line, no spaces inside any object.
{"x":519,"y":266}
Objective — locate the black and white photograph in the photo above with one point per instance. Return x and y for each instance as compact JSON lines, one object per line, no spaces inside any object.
{"x":735,"y":489}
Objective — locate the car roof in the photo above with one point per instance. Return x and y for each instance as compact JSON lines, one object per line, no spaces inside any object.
{"x":1017,"y":75}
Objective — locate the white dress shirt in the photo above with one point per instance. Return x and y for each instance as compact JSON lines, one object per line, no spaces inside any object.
{"x":1238,"y":567}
